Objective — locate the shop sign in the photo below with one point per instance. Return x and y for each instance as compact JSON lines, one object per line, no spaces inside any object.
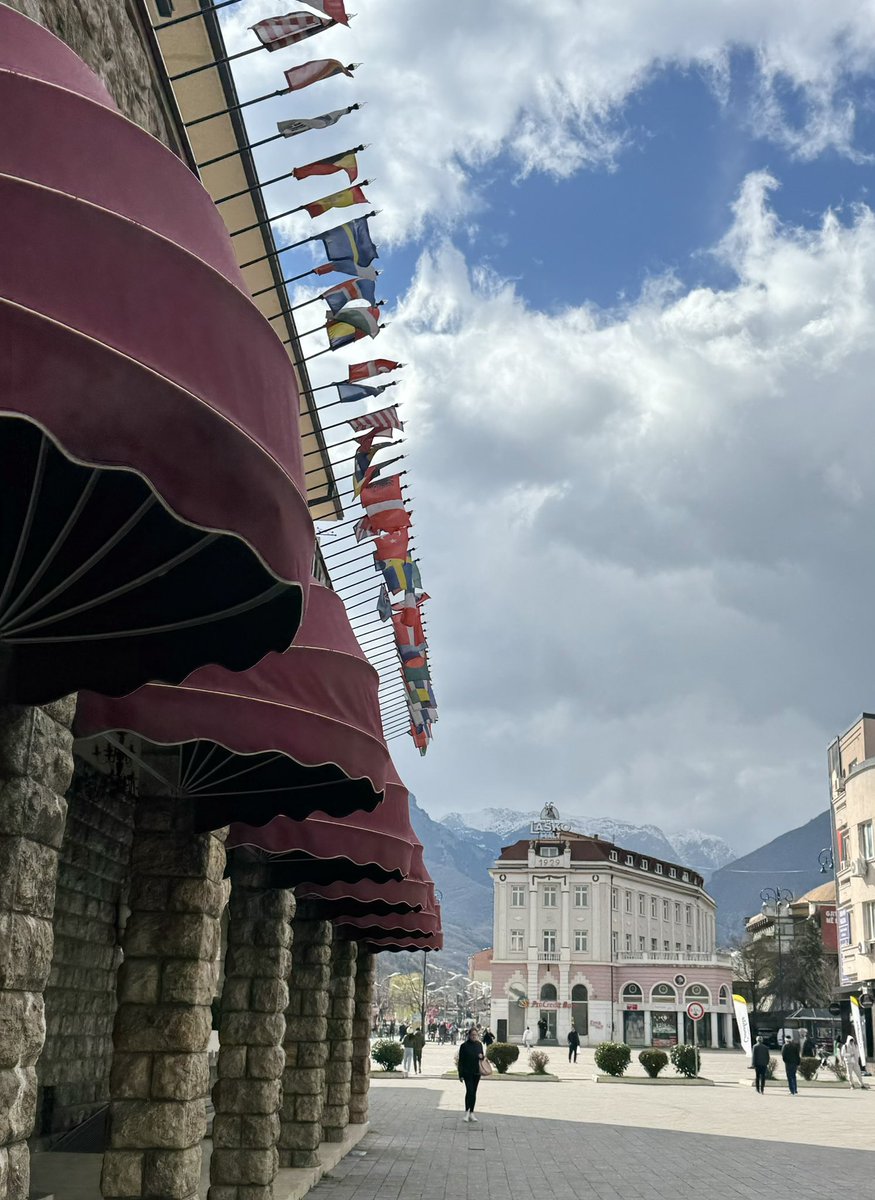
{"x":631,"y":1008}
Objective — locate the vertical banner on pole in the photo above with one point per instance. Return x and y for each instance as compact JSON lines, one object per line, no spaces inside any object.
{"x":743,"y":1021}
{"x":859,"y":1035}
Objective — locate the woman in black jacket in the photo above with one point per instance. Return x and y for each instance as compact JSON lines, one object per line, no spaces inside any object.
{"x":470,"y":1058}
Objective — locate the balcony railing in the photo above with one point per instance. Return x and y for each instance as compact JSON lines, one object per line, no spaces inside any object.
{"x":718,"y":959}
{"x":548,"y":956}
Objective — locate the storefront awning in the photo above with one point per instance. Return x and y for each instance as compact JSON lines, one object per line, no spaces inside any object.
{"x":364,"y":897}
{"x":154,"y":510}
{"x":299,"y":732}
{"x":422,"y":926}
{"x":377,"y":845}
{"x":396,"y":944}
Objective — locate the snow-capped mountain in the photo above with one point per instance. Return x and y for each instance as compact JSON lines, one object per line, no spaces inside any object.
{"x":704,"y":852}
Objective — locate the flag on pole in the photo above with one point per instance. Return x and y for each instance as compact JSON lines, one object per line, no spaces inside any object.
{"x":327,"y":166}
{"x":412,"y":654}
{"x":303,"y":124}
{"x":406,"y":635}
{"x":378,"y":366}
{"x":361,"y":529}
{"x":348,"y":326}
{"x":349,"y":247}
{"x":392,"y":545}
{"x":384,"y":420}
{"x":366,"y":319}
{"x":363,"y":471}
{"x":331,"y":8}
{"x":384,"y":507}
{"x":384,"y":604}
{"x":350,"y":289}
{"x":312,"y":72}
{"x":276,"y":32}
{"x":347,"y":268}
{"x":349,"y":392}
{"x":341,"y":199}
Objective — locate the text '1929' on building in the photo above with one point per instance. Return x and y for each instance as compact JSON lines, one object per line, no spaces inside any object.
{"x":616,"y":943}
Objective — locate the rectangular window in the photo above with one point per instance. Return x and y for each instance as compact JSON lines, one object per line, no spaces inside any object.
{"x":677,"y":912}
{"x":666,"y":910}
{"x":869,"y":920}
{"x":516,"y":939}
{"x":644,"y":864}
{"x":628,"y":902}
{"x":615,"y":941}
{"x":658,"y":868}
{"x":641,"y":944}
{"x":628,"y":943}
{"x":518,"y":895}
{"x":613,"y":856}
{"x":630,"y":860}
{"x":677,"y":947}
{"x":654,"y":945}
{"x":581,"y":897}
{"x":665,"y":947}
{"x":581,"y":939}
{"x":549,"y":941}
{"x":672,"y":872}
{"x":688,"y":910}
{"x":615,"y":899}
{"x":551,"y":895}
{"x":653,"y":908}
{"x":689,"y":948}
{"x":842,"y":842}
{"x":549,"y":852}
{"x":867,"y":842}
{"x":640,"y":904}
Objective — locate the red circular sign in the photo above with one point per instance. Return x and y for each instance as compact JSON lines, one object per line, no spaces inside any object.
{"x":695,"y":1011}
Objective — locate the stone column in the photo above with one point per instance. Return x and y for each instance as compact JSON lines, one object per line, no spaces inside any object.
{"x":255,"y":994}
{"x":160,"y":1072}
{"x":341,"y":1011}
{"x":36,"y":766}
{"x":365,"y":972}
{"x":306,"y":1044}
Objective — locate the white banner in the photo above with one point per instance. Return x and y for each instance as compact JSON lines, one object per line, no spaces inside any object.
{"x":857,"y":1019}
{"x":743,"y":1021}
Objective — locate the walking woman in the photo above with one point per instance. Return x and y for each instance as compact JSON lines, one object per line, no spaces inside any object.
{"x":851,"y":1059}
{"x":470,"y":1057}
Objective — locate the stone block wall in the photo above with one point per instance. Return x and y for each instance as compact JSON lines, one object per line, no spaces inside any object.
{"x":338,"y":1069}
{"x":360,"y":1080}
{"x":80,"y":998}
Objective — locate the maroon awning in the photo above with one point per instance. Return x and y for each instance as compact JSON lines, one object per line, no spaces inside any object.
{"x":396,"y":944}
{"x":154,"y":508}
{"x":422,"y":926}
{"x":365,"y":896}
{"x":377,"y":845}
{"x":299,"y":732}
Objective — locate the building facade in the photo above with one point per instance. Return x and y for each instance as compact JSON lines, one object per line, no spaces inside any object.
{"x":614,"y":942}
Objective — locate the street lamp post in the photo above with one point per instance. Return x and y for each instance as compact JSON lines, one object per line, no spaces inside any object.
{"x":780,"y":900}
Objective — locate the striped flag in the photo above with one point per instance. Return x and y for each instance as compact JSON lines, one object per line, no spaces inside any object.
{"x":302,"y":124}
{"x":341,"y":199}
{"x":331,"y":8}
{"x":385,"y":509}
{"x":384,"y":420}
{"x":312,"y":72}
{"x":350,"y":289}
{"x":327,"y":166}
{"x":377,"y":366}
{"x":276,"y":32}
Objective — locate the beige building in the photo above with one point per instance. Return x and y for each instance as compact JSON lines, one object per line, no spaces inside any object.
{"x":852,"y":782}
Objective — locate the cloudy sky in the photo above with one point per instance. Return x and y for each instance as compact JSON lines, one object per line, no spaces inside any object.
{"x":629,"y":257}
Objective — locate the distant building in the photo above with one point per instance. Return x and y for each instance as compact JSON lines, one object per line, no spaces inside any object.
{"x":615,"y":942}
{"x":480,"y":966}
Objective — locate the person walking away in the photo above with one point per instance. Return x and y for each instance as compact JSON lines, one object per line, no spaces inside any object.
{"x":808,"y":1050}
{"x":527,"y":1038}
{"x":407,"y":1064}
{"x":542,"y":1029}
{"x":573,"y":1044}
{"x":402,"y":1031}
{"x":760,"y":1058}
{"x":418,"y":1044}
{"x":488,"y":1038}
{"x":851,"y":1059}
{"x":790,"y":1054}
{"x":470,"y":1057}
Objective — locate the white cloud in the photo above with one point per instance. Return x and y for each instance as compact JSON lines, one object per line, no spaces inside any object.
{"x":449,"y":86}
{"x":646,"y":532}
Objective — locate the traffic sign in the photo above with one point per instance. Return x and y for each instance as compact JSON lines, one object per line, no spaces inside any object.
{"x":695,"y":1011}
{"x":866,"y":1000}
{"x":835,"y":1010}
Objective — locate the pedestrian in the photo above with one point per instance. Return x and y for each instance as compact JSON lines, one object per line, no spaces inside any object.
{"x":488,"y":1037}
{"x":808,"y":1050}
{"x":418,"y":1044}
{"x":760,"y":1058}
{"x":851,"y":1059}
{"x":409,"y":1055}
{"x":790,"y":1054}
{"x":573,"y":1043}
{"x":542,"y":1029}
{"x":527,"y":1038}
{"x":391,"y":1029}
{"x":402,"y":1031}
{"x":470,"y":1057}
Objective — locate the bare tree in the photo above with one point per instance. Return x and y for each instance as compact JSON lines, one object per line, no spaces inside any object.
{"x":754,"y":967}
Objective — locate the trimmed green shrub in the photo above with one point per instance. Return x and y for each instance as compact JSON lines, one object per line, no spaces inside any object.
{"x":808,"y":1067}
{"x":653,"y":1061}
{"x":387,"y":1054}
{"x":501,"y":1055}
{"x":613,"y":1057}
{"x":538,"y":1062}
{"x":686,"y":1060}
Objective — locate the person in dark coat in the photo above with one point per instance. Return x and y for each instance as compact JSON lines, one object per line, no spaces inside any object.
{"x":760,"y":1058}
{"x":808,"y":1050}
{"x":470,"y":1057}
{"x":488,"y":1037}
{"x":573,"y":1043}
{"x":791,"y":1057}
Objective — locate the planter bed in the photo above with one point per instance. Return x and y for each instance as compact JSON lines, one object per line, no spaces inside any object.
{"x":516,"y":1076}
{"x":680,"y":1081}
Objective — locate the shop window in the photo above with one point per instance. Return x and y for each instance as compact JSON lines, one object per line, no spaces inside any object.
{"x":580,"y":1009}
{"x":697,"y":991}
{"x":664,"y":992}
{"x":548,"y":991}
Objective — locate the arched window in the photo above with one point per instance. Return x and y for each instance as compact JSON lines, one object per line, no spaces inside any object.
{"x":548,"y":991}
{"x":580,"y":1009}
{"x":664,"y":992}
{"x":698,"y":991}
{"x":724,"y":994}
{"x":631,"y":993}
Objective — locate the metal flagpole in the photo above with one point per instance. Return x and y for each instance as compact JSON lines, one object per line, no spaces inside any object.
{"x":287,"y":312}
{"x":218,"y":62}
{"x":197,"y":13}
{"x":293,"y":245}
{"x":297,"y":362}
{"x":286,"y":175}
{"x":338,"y":462}
{"x":290,"y":211}
{"x":332,"y":403}
{"x":223,"y":112}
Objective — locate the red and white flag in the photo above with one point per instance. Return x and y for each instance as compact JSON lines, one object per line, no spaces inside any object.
{"x":276,"y":32}
{"x":312,"y":72}
{"x":331,"y":8}
{"x":384,"y":505}
{"x":382,"y":421}
{"x":377,"y":366}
